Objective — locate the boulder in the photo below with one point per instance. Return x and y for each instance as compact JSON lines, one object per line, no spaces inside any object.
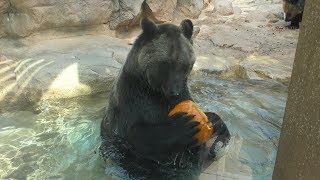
{"x":223,"y":7}
{"x":162,"y":10}
{"x":28,"y":16}
{"x":125,"y":13}
{"x":266,"y":67}
{"x":189,"y":8}
{"x":214,"y":64}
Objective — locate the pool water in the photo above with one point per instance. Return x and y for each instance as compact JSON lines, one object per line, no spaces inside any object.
{"x":61,"y":140}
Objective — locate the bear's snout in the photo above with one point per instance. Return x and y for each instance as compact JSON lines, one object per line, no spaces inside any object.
{"x":171,"y":89}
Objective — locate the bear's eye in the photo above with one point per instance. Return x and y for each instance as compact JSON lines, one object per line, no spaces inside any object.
{"x":162,"y":67}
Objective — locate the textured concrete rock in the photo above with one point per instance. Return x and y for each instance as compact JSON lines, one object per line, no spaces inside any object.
{"x":125,"y":13}
{"x":162,"y":10}
{"x":267,"y":12}
{"x":4,"y":6}
{"x":51,"y":75}
{"x":252,"y":67}
{"x":237,"y":10}
{"x":189,"y":8}
{"x":208,"y":10}
{"x":63,"y":68}
{"x":256,"y":16}
{"x":265,"y":67}
{"x":27,"y":16}
{"x":238,"y":40}
{"x":2,"y":58}
{"x":223,"y":7}
{"x":214,"y":64}
{"x":245,"y":50}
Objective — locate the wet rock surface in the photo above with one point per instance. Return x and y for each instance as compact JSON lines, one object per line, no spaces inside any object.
{"x":62,"y":68}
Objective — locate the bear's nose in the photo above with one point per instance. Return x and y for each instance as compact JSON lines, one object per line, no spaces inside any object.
{"x":174,"y":94}
{"x":171,"y":90}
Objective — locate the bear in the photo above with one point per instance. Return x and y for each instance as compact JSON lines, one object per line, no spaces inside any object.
{"x":136,"y":131}
{"x":293,"y":11}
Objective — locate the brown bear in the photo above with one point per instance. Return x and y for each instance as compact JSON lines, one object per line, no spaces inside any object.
{"x":137,"y":131}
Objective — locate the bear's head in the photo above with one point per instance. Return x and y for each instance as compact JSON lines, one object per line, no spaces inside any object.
{"x":164,"y":56}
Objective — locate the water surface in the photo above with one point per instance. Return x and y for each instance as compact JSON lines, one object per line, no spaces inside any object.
{"x":61,"y":141}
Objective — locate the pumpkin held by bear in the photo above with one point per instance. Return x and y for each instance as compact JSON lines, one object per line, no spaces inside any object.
{"x":205,"y":126}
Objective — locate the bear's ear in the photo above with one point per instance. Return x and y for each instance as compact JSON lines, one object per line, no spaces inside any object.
{"x":148,"y":26}
{"x":186,"y":27}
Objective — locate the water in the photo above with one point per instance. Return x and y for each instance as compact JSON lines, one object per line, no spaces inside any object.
{"x":253,"y":112}
{"x":61,"y":141}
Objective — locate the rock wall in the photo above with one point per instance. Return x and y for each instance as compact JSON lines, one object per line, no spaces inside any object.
{"x":21,"y":18}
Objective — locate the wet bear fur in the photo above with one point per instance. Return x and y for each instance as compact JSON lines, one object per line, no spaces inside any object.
{"x":148,"y":143}
{"x":293,"y":10}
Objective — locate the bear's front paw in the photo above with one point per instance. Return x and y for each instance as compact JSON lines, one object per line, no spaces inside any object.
{"x":222,"y":133}
{"x":219,"y":146}
{"x":181,"y":131}
{"x":294,"y":25}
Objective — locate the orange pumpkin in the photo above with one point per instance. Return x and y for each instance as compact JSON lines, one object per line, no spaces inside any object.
{"x":205,"y":126}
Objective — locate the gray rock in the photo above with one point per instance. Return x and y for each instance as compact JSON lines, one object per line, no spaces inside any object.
{"x":27,"y":16}
{"x":256,"y":16}
{"x":263,"y":13}
{"x":66,"y":75}
{"x":264,"y":67}
{"x":125,"y":13}
{"x":162,"y":10}
{"x":259,"y":52}
{"x":64,"y":68}
{"x":189,"y":8}
{"x":237,"y":10}
{"x":2,"y":58}
{"x":223,"y":7}
{"x":214,"y":64}
{"x":238,"y":40}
